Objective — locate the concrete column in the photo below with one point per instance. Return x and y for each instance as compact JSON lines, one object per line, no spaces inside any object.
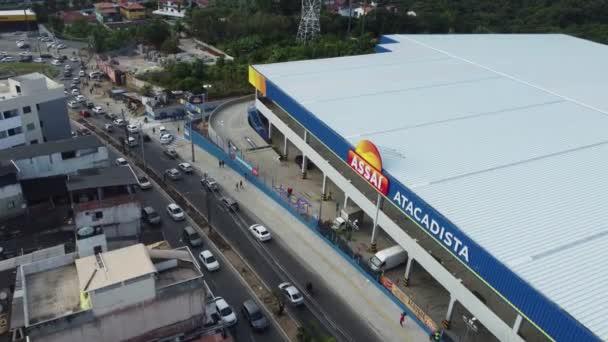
{"x":269,"y":130}
{"x":408,"y":268}
{"x":448,"y":316}
{"x":517,"y":323}
{"x":285,"y":147}
{"x":100,"y":194}
{"x":304,"y":165}
{"x":373,"y":245}
{"x":345,"y":200}
{"x":324,"y":188}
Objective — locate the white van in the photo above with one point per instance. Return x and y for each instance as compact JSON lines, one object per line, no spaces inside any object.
{"x":388,"y":258}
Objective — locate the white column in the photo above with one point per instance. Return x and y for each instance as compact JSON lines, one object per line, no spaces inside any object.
{"x":448,"y":315}
{"x":373,"y":241}
{"x":408,"y":268}
{"x":517,"y":323}
{"x":324,"y":186}
{"x":285,"y":146}
{"x":345,"y":200}
{"x":269,"y":130}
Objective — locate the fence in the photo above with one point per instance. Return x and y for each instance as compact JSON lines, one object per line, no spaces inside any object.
{"x":300,"y":208}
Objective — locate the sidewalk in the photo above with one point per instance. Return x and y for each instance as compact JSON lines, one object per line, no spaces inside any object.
{"x":349,"y":284}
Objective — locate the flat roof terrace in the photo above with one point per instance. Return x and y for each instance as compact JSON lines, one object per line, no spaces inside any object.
{"x":52,"y":294}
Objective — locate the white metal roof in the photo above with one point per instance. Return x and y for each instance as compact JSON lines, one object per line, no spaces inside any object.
{"x":505,"y":135}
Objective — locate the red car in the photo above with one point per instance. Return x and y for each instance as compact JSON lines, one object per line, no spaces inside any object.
{"x":85,"y":113}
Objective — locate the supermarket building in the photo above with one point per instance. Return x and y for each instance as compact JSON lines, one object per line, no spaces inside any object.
{"x":483,"y":156}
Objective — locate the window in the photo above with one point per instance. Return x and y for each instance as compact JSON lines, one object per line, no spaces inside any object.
{"x":33,"y":142}
{"x":3,"y":134}
{"x":68,"y":155}
{"x":41,"y":123}
{"x":11,"y":204}
{"x":38,"y":106}
{"x":14,"y":131}
{"x":18,"y":89}
{"x":11,"y":113}
{"x":31,"y":126}
{"x":98,"y":215}
{"x":27,"y":110}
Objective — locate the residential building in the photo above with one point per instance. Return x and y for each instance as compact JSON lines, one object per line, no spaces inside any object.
{"x":12,"y":202}
{"x":134,"y":293}
{"x":32,"y":111}
{"x":104,"y":200}
{"x":173,"y":8}
{"x":132,"y":11}
{"x":57,"y":158}
{"x":70,"y":17}
{"x":106,"y":12}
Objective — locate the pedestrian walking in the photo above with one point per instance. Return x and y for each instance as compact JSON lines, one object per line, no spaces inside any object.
{"x":219,"y":163}
{"x":237,"y":186}
{"x":241,"y":184}
{"x":402,"y":319}
{"x":153,"y":130}
{"x":177,"y":129}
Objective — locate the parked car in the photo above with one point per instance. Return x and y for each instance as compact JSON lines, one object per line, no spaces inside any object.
{"x":38,"y":60}
{"x":229,"y":203}
{"x":144,"y":183}
{"x":120,"y":122}
{"x":75,"y":92}
{"x":166,"y":139}
{"x":81,"y":98}
{"x":76,"y":80}
{"x":260,"y":232}
{"x":209,"y":261}
{"x":171,"y":153}
{"x":84,"y":113}
{"x":133,"y":129}
{"x":73,"y":59}
{"x":185,"y":167}
{"x":98,"y":110}
{"x":73,"y":104}
{"x":291,"y":293}
{"x":121,"y":162}
{"x":173,"y":174}
{"x":131,"y":142}
{"x":210,"y":184}
{"x":56,"y":62}
{"x":81,"y":73}
{"x":8,"y":59}
{"x":176,"y":212}
{"x":162,"y":130}
{"x":67,"y":67}
{"x":60,"y":46}
{"x":109,"y":127}
{"x":225,"y":311}
{"x":253,"y":314}
{"x":149,"y":215}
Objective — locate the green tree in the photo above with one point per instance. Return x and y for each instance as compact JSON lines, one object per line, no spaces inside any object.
{"x":56,"y":24}
{"x":155,"y":33}
{"x":170,"y":46}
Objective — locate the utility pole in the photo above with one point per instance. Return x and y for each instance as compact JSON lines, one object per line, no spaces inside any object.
{"x":350,"y":14}
{"x":141,"y":139}
{"x":191,"y":133}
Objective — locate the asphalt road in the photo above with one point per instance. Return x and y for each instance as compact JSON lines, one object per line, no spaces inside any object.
{"x":271,"y":261}
{"x":224,"y":282}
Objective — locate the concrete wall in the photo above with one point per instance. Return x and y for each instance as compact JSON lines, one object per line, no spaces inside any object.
{"x":47,"y":264}
{"x":11,"y":201}
{"x":55,"y":121}
{"x":106,"y":300}
{"x":86,"y":247}
{"x":131,"y":322}
{"x":52,"y":165}
{"x":117,"y":221}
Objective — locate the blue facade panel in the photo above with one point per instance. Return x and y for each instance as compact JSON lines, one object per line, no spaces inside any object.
{"x":554,"y":321}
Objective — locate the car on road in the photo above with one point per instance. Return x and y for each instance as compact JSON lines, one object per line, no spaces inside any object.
{"x":291,"y":293}
{"x":73,"y":59}
{"x":149,"y":215}
{"x":76,"y":80}
{"x":121,"y":162}
{"x":84,"y":113}
{"x":171,"y":153}
{"x":176,"y":212}
{"x":133,"y":129}
{"x":260,"y":232}
{"x":56,"y":62}
{"x":8,"y":59}
{"x":38,"y":60}
{"x":225,"y":311}
{"x":162,"y":130}
{"x":73,"y":104}
{"x":173,"y":174}
{"x":75,"y":92}
{"x":111,"y":116}
{"x":210,"y":184}
{"x":109,"y":127}
{"x":60,"y":46}
{"x":67,"y":67}
{"x":144,"y":183}
{"x":120,"y":122}
{"x":209,"y":261}
{"x":229,"y":203}
{"x":253,"y":314}
{"x":166,"y":139}
{"x":98,"y":110}
{"x":191,"y":237}
{"x":185,"y":167}
{"x":131,"y":142}
{"x":81,"y":73}
{"x":25,"y":53}
{"x":81,"y":98}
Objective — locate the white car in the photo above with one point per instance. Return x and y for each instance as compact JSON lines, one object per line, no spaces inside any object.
{"x":56,"y":62}
{"x":131,"y":142}
{"x":74,"y":59}
{"x":98,"y":110}
{"x":75,"y":92}
{"x":186,"y":167}
{"x":25,"y":53}
{"x":166,"y":139}
{"x":120,"y":122}
{"x":8,"y":59}
{"x":131,"y":128}
{"x":73,"y":104}
{"x":260,"y":232}
{"x":81,"y":73}
{"x":38,"y":60}
{"x":144,"y":183}
{"x":3,"y":53}
{"x":209,"y":261}
{"x":60,"y":46}
{"x":81,"y":98}
{"x":291,"y":293}
{"x":176,"y":213}
{"x":162,"y":130}
{"x":121,"y":162}
{"x":67,"y":67}
{"x":50,"y":44}
{"x":225,"y":311}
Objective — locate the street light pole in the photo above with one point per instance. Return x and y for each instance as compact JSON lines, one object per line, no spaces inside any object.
{"x":141,"y":138}
{"x":191,"y":136}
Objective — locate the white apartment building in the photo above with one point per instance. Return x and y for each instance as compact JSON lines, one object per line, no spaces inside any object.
{"x":32,"y":111}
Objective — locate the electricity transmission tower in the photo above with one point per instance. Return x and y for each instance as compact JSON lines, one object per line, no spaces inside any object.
{"x":310,"y":25}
